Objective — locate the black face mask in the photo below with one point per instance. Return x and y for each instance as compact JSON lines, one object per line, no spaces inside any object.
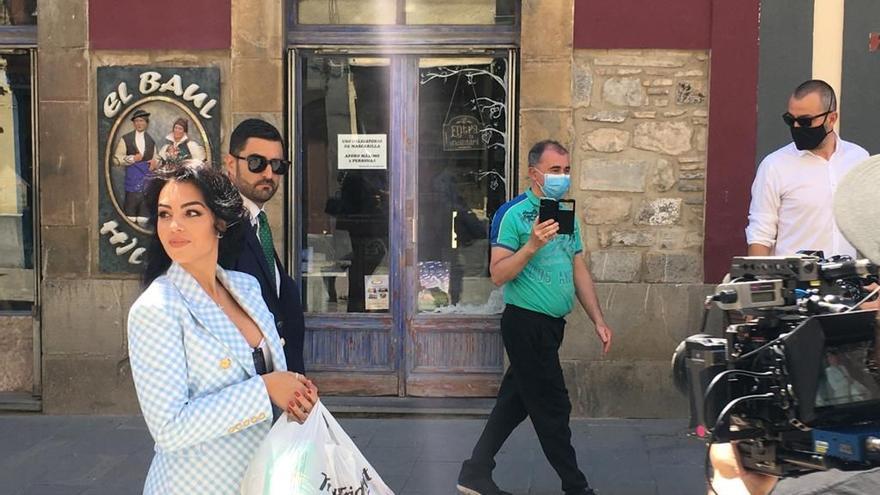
{"x":808,"y":138}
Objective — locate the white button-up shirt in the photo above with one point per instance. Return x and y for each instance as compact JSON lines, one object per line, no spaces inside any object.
{"x":793,"y":197}
{"x":254,"y":211}
{"x":140,"y":142}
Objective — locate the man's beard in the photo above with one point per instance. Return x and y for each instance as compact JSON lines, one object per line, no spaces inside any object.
{"x":251,"y":192}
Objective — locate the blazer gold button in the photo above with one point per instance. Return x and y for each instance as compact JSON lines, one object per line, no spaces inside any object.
{"x":225,"y":363}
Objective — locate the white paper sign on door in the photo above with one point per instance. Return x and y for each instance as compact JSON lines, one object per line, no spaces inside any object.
{"x":376,"y":292}
{"x":362,"y":151}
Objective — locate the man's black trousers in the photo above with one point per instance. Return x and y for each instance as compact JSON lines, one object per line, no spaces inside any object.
{"x":533,"y":385}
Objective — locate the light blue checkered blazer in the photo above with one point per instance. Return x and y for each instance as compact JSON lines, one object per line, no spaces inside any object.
{"x":202,"y":400}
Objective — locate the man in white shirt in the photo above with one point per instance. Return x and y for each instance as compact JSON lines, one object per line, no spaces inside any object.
{"x":793,"y":191}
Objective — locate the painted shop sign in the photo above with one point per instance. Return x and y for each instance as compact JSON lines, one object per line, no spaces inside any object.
{"x":462,"y":133}
{"x":147,"y":117}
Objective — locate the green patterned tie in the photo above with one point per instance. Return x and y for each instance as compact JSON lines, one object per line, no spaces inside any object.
{"x":265,"y":234}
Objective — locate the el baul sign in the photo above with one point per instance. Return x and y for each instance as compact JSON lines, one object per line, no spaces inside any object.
{"x":147,"y":117}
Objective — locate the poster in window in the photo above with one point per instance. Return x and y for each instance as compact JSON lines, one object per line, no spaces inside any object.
{"x":433,"y":285}
{"x":376,"y":293}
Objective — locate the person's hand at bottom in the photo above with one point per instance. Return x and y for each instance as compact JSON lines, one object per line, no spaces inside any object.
{"x":730,"y":478}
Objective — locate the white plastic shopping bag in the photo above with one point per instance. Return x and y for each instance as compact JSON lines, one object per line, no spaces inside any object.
{"x":316,"y":457}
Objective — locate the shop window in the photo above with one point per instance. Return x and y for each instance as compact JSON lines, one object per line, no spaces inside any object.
{"x":345,"y":225}
{"x":18,"y":12}
{"x":413,"y":12}
{"x":16,"y":182}
{"x":463,"y":139}
{"x":459,"y":12}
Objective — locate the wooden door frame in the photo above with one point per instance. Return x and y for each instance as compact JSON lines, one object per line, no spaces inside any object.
{"x":402,"y":317}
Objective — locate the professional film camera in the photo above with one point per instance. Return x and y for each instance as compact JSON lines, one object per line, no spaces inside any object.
{"x":796,"y":380}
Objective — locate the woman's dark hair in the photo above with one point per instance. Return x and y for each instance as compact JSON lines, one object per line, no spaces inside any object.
{"x":221,"y":197}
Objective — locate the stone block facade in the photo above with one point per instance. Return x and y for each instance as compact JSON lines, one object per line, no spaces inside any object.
{"x":635,"y":122}
{"x":639,"y":150}
{"x":85,"y":363}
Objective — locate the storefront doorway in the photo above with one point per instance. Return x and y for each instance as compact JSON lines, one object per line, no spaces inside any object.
{"x":402,"y":157}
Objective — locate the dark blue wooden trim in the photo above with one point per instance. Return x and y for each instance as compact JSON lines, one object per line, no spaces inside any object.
{"x":18,"y":36}
{"x":403,"y":172}
{"x":293,"y":204}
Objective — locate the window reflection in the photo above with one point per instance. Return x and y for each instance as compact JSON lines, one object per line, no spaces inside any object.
{"x":16,"y":187}
{"x":18,"y":12}
{"x":462,"y":146}
{"x":345,"y":118}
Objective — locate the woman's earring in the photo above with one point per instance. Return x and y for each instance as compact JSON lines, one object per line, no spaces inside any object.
{"x":219,"y":235}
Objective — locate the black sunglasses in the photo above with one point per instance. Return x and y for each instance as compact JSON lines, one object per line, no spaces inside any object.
{"x":804,"y":121}
{"x":257,"y":163}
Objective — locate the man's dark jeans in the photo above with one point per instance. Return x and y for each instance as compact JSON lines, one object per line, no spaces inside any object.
{"x":533,"y":385}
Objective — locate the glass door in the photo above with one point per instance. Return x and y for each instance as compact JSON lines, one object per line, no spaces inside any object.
{"x":464,"y":156}
{"x":342,"y":191}
{"x":401,"y":161}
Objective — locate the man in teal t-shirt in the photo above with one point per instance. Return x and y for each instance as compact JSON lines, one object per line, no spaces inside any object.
{"x":542,"y":272}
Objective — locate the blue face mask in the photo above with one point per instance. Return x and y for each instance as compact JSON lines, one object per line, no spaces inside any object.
{"x":555,"y":185}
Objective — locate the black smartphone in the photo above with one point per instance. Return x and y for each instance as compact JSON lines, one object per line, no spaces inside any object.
{"x":565,"y":216}
{"x":549,"y":210}
{"x":562,"y":211}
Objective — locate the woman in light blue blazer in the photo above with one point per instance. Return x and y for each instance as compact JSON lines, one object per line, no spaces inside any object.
{"x":206,"y":359}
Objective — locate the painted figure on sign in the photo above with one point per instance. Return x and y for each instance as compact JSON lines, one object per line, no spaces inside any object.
{"x":177,"y":146}
{"x":136,"y":152}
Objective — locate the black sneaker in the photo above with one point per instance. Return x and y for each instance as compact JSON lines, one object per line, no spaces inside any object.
{"x":470,"y":483}
{"x":480,"y":487}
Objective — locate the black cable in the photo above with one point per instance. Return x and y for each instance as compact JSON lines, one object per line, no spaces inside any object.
{"x":732,"y":404}
{"x":724,"y":374}
{"x":763,"y":347}
{"x":705,"y":319}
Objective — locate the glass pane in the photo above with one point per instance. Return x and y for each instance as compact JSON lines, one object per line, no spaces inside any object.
{"x":18,"y":12}
{"x":460,"y":12}
{"x":16,"y":189}
{"x":345,"y":119}
{"x":347,"y":12}
{"x":462,"y":144}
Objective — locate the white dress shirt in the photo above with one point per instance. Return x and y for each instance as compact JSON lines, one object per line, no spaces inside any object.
{"x":140,"y":142}
{"x":793,"y":197}
{"x":255,"y":222}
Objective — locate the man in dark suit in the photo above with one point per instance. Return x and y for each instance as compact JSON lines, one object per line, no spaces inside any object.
{"x":255,"y":164}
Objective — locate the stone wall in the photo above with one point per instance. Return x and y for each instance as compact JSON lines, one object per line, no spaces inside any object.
{"x":640,"y":122}
{"x":16,"y":354}
{"x":635,"y":122}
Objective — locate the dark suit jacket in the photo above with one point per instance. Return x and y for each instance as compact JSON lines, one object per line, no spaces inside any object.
{"x":286,"y":307}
